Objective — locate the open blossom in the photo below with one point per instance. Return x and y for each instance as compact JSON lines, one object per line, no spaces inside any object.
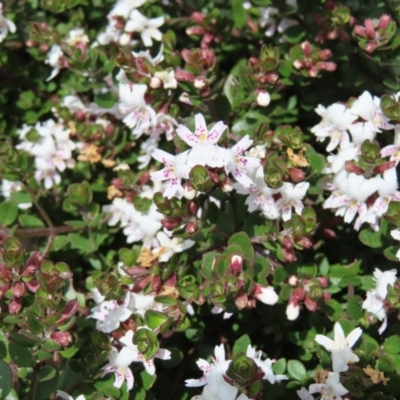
{"x":6,"y":25}
{"x":77,"y":37}
{"x":375,"y":300}
{"x":8,"y":187}
{"x":137,"y":114}
{"x":340,"y":347}
{"x":266,"y":294}
{"x":336,"y":120}
{"x":395,"y":233}
{"x":203,"y":142}
{"x":109,"y":314}
{"x":171,"y":246}
{"x":175,"y":170}
{"x":292,"y":196}
{"x":137,"y":356}
{"x":148,"y":28}
{"x":119,"y":363}
{"x":368,"y":108}
{"x":239,"y":165}
{"x":393,"y":150}
{"x":332,"y":389}
{"x":216,"y":388}
{"x":55,"y":60}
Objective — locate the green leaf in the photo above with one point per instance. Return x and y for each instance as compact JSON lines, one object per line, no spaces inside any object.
{"x":6,"y":380}
{"x":392,"y":344}
{"x":105,"y":100}
{"x":46,"y":373}
{"x":60,"y":241}
{"x":354,"y":307}
{"x":30,"y":221}
{"x":154,"y":319}
{"x":25,"y":339}
{"x":372,"y":239}
{"x":239,"y":14}
{"x":317,"y":161}
{"x":243,"y":241}
{"x":20,"y":355}
{"x":241,"y":344}
{"x":21,"y":197}
{"x":8,"y":213}
{"x":391,"y":253}
{"x":297,"y":370}
{"x":81,"y":243}
{"x":279,"y":367}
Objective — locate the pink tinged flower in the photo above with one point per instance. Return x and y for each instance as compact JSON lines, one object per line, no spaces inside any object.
{"x":239,"y":165}
{"x":201,"y":134}
{"x":368,"y":108}
{"x":336,"y":120}
{"x":267,"y":295}
{"x":137,"y":356}
{"x":304,"y":394}
{"x":265,"y":365}
{"x":110,"y":314}
{"x":291,"y":197}
{"x":340,"y":347}
{"x":219,"y":310}
{"x":332,"y":389}
{"x":119,"y":364}
{"x":148,"y":28}
{"x":175,"y":170}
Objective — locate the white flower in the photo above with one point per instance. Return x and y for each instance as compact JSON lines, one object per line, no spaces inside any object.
{"x":137,"y":114}
{"x":332,"y":389}
{"x":175,"y":170}
{"x":6,"y":25}
{"x":171,"y":246}
{"x":336,"y":119}
{"x":268,"y":19}
{"x":110,"y":314}
{"x":368,"y":108}
{"x":203,"y":141}
{"x":137,"y":356}
{"x":119,"y":363}
{"x":237,"y":164}
{"x":123,"y":8}
{"x":148,"y":28}
{"x":120,"y":211}
{"x":265,"y":365}
{"x":396,"y":235}
{"x":263,"y":99}
{"x":340,"y":347}
{"x":267,"y":295}
{"x":8,"y":187}
{"x":77,"y":36}
{"x":374,"y":302}
{"x":167,"y":78}
{"x":291,"y":197}
{"x":336,"y":162}
{"x":292,"y":311}
{"x":146,"y":149}
{"x":393,"y":150}
{"x":54,"y":57}
{"x":304,"y":394}
{"x":140,"y":303}
{"x":66,"y":396}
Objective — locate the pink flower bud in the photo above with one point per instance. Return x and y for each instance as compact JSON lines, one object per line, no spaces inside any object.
{"x":324,"y":54}
{"x":323,"y":280}
{"x":384,"y":21}
{"x":198,"y":17}
{"x":171,"y":222}
{"x":371,"y":47}
{"x":3,"y":289}
{"x":18,"y":289}
{"x":182,"y":75}
{"x":156,"y":283}
{"x":360,"y":31}
{"x":236,"y":264}
{"x":191,"y":228}
{"x":15,"y":306}
{"x":33,"y":286}
{"x":155,"y":82}
{"x":62,"y":338}
{"x":326,"y":66}
{"x":306,"y":47}
{"x":310,"y":304}
{"x":196,"y":30}
{"x":192,"y":207}
{"x":369,"y":28}
{"x":70,"y":309}
{"x":296,"y":174}
{"x":241,"y":299}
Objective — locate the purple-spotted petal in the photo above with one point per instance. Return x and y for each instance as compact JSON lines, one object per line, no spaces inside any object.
{"x":216,"y":131}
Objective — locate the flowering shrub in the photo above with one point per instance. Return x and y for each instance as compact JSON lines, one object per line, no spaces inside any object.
{"x":199,"y":199}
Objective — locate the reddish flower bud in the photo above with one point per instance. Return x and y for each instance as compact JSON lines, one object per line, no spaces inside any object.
{"x":18,"y":289}
{"x":297,"y":295}
{"x":384,"y":21}
{"x":156,"y":283}
{"x":70,"y":309}
{"x":369,"y":28}
{"x":15,"y":306}
{"x":360,"y":31}
{"x":304,"y":242}
{"x":191,"y":228}
{"x":371,"y":47}
{"x":296,"y":174}
{"x":236,"y":264}
{"x":44,"y":47}
{"x":310,"y":304}
{"x":324,"y":54}
{"x":329,"y":233}
{"x":171,"y":222}
{"x":62,"y":338}
{"x":306,"y":47}
{"x":327,"y":296}
{"x":3,"y":289}
{"x":192,"y":207}
{"x":323,"y":280}
{"x":198,"y":17}
{"x":196,"y":30}
{"x":326,"y":66}
{"x":241,"y":299}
